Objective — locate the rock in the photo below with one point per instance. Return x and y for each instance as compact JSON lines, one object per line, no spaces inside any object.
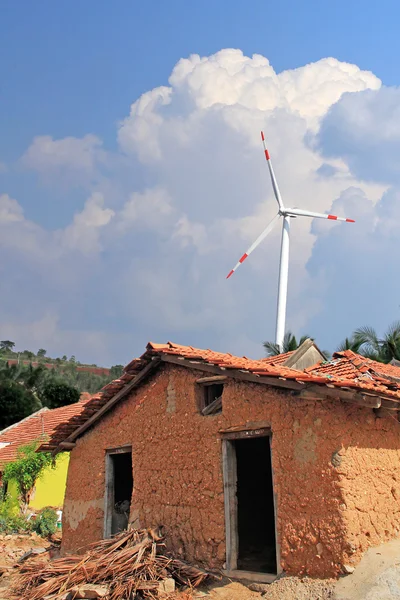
{"x":166,"y":586}
{"x":32,"y":551}
{"x":90,"y":590}
{"x":261,"y":588}
{"x":348,"y":569}
{"x":8,"y":537}
{"x":320,"y":548}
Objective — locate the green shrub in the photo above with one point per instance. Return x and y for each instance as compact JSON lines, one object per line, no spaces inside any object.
{"x":46,"y":522}
{"x":25,"y":470}
{"x":11,"y":521}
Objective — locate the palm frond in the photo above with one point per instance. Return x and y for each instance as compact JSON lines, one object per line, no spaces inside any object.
{"x":271,"y":348}
{"x":368,"y":340}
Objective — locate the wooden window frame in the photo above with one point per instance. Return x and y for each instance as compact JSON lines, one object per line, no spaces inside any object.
{"x":205,"y":386}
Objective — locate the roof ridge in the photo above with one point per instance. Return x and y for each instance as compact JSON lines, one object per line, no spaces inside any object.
{"x":341,"y":372}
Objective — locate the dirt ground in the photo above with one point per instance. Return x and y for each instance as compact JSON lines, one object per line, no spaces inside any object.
{"x":13,"y":548}
{"x":286,"y":588}
{"x":377,"y":577}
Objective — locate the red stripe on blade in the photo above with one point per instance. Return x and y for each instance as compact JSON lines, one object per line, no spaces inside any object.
{"x":262,"y":136}
{"x":229,"y":274}
{"x":266,"y":154}
{"x":350,"y":221}
{"x":243,"y":257}
{"x":332,"y":217}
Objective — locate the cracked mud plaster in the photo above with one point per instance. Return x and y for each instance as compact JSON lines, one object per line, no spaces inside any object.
{"x":75,"y":512}
{"x":328,"y":512}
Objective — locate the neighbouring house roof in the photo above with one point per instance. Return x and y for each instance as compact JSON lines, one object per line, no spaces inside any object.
{"x":304,"y":356}
{"x":37,"y":426}
{"x":347,"y":365}
{"x":338,"y":379}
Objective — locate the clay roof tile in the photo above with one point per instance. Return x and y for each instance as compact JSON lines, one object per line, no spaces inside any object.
{"x":346,"y":369}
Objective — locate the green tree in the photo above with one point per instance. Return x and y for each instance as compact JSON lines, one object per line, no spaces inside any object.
{"x":29,"y":377}
{"x":58,"y":393}
{"x":64,"y":358}
{"x":383,"y":349}
{"x":350,"y":344}
{"x":19,"y":392}
{"x":7,"y":346}
{"x":116,"y":371}
{"x":41,"y":353}
{"x":16,"y":403}
{"x":25,"y":470}
{"x":290,"y":343}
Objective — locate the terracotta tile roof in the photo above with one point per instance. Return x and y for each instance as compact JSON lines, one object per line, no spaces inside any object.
{"x":226,"y":360}
{"x":354,"y":370}
{"x":279,"y":359}
{"x":344,"y":371}
{"x":40,"y":424}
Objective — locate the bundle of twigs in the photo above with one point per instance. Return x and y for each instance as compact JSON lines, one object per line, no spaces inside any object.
{"x":132,"y":563}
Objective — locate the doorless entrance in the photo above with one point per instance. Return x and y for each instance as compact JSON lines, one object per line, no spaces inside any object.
{"x":249,"y":502}
{"x":119,"y":487}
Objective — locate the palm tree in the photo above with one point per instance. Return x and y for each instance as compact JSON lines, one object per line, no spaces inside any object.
{"x":350,"y":344}
{"x":366,"y":341}
{"x":7,"y":345}
{"x":31,"y":378}
{"x":289,"y":344}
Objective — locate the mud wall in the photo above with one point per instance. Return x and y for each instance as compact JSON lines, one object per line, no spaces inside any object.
{"x":325,"y":456}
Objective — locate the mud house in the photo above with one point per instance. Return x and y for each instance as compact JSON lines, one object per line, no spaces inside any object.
{"x":253,"y":466}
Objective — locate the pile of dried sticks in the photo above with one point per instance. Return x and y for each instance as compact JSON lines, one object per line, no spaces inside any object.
{"x":132,"y":564}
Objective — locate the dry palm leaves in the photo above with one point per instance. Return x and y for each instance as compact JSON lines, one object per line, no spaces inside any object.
{"x":133,"y":564}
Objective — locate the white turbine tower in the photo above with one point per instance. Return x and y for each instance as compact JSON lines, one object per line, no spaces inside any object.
{"x":286,"y":213}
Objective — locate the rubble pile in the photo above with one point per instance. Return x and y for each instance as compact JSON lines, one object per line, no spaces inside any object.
{"x":131,"y":565}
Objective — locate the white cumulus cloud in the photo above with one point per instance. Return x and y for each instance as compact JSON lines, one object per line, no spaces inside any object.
{"x":10,"y":210}
{"x":190,"y":191}
{"x":84,"y":232}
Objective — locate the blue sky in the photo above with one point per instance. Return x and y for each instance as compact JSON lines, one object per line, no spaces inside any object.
{"x":80,"y":279}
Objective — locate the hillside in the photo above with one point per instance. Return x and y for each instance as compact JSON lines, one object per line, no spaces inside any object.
{"x":85,"y":377}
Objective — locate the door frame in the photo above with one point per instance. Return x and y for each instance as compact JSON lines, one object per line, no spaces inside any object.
{"x":229,"y":468}
{"x":109,"y":486}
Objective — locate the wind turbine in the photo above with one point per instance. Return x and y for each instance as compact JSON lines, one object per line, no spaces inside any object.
{"x":286,"y":214}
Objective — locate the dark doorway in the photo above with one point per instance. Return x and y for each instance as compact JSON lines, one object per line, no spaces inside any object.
{"x":119,"y":491}
{"x":255,"y":506}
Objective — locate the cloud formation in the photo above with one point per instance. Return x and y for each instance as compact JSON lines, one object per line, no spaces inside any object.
{"x":149,"y":253}
{"x":364,"y":130}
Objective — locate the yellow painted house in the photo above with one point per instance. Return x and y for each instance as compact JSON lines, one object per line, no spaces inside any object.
{"x":50,"y":487}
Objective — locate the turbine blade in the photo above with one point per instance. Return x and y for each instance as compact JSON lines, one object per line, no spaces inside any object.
{"x":271,"y":172}
{"x":260,"y":238}
{"x":297,"y":212}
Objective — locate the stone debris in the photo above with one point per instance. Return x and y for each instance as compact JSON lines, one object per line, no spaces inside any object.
{"x":32,"y":551}
{"x":89,"y":591}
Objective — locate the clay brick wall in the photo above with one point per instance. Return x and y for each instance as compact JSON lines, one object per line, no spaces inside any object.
{"x":336,"y":472}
